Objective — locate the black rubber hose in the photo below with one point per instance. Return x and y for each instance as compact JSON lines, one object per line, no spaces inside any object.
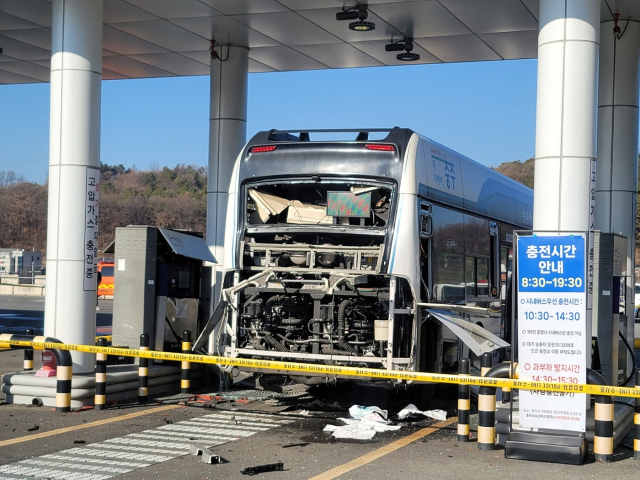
{"x":275,"y":343}
{"x":341,"y":327}
{"x":269,"y":305}
{"x":633,"y":359}
{"x":269,"y":314}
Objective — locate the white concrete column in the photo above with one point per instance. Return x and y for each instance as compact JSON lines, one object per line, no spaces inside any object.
{"x":566,"y":114}
{"x":616,"y":183}
{"x":227,"y":136}
{"x":74,"y":159}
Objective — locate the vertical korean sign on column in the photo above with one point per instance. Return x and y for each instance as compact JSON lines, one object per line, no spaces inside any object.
{"x":552,"y":328}
{"x":91,"y":229}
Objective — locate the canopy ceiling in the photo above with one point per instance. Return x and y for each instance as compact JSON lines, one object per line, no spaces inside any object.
{"x":165,"y":38}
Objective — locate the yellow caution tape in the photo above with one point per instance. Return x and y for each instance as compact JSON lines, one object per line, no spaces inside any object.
{"x":339,"y":370}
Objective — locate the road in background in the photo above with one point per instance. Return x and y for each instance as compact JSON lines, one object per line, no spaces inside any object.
{"x":20,"y":312}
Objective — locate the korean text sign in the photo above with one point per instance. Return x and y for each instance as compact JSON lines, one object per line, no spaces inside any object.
{"x":552,"y":328}
{"x":91,"y":209}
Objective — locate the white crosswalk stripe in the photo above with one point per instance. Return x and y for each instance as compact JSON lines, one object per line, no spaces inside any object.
{"x":116,"y":456}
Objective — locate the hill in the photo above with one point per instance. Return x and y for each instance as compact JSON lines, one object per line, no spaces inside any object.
{"x":167,"y":197}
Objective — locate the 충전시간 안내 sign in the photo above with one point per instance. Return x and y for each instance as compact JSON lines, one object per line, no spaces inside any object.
{"x":552,"y":328}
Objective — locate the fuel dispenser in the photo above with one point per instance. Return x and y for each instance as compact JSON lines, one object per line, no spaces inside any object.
{"x":610,"y":324}
{"x":161,"y":286}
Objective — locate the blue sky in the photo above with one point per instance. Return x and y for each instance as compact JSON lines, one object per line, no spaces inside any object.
{"x":484,"y":110}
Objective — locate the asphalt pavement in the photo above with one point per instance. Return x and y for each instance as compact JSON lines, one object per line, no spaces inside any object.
{"x":35,"y":438}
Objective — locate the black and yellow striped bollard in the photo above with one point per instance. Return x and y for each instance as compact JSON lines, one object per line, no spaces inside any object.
{"x":28,"y":354}
{"x":101,"y":377}
{"x":143,"y":371}
{"x":636,"y":423}
{"x":603,"y":431}
{"x":486,"y":409}
{"x":464,"y":403}
{"x":185,"y":379}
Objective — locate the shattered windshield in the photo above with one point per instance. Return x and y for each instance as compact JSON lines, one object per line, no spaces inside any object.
{"x":360,"y":204}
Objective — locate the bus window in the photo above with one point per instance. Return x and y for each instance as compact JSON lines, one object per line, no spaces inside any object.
{"x":447,"y":255}
{"x":482,"y":277}
{"x":470,"y":276}
{"x":477,"y":236}
{"x":476,"y":276}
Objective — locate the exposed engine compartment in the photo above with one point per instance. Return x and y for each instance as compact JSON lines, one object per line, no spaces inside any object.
{"x":337,"y":317}
{"x":311,"y":283}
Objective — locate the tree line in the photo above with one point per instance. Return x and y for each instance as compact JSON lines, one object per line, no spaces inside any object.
{"x":163,"y":197}
{"x":523,"y":172}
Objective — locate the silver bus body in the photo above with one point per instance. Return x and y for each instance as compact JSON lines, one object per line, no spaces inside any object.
{"x":330,"y":247}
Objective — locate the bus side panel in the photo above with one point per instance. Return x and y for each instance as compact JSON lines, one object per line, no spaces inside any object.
{"x":231,"y":240}
{"x":443,"y":176}
{"x":404,"y":258}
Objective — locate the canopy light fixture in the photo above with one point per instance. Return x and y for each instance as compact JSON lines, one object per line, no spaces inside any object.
{"x":405,"y":44}
{"x":358,"y":12}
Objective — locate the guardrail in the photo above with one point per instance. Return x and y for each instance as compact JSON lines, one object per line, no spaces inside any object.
{"x":63,"y":360}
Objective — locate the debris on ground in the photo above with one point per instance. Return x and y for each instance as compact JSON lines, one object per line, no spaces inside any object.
{"x":207,"y":455}
{"x":411,"y":412}
{"x":364,"y":423}
{"x":272,"y":467}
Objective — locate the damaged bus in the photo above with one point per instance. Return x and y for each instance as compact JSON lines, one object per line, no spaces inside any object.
{"x":389,"y":253}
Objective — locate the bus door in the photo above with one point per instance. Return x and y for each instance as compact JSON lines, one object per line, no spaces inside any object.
{"x":426,"y":234}
{"x":506,"y":269}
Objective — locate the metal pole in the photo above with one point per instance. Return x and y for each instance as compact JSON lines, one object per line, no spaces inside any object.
{"x":486,"y":409}
{"x":101,"y":377}
{"x":185,"y":382}
{"x":636,"y":422}
{"x":227,"y":136}
{"x":143,"y":371}
{"x":74,"y":165}
{"x":28,"y":354}
{"x":464,"y":403}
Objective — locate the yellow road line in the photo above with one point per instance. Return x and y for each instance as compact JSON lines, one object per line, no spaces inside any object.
{"x":381,"y":452}
{"x":85,"y":425}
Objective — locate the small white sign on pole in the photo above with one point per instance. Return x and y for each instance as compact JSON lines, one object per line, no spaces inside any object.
{"x":91,"y":229}
{"x":552,"y":328}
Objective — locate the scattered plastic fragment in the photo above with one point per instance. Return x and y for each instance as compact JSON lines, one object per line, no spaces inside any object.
{"x":33,"y":429}
{"x":207,"y":455}
{"x":351,"y":432}
{"x":364,"y":424}
{"x":358,"y":411}
{"x":412,"y":411}
{"x":303,"y":444}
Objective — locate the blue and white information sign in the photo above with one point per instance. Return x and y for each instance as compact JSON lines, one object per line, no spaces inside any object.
{"x":552,"y":328}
